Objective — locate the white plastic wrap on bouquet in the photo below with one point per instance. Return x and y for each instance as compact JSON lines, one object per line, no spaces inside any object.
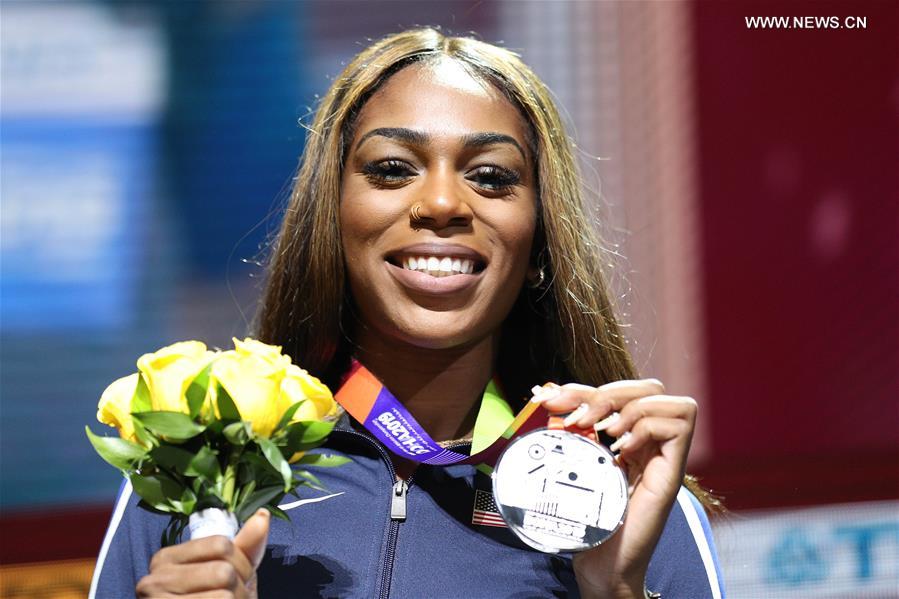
{"x":212,"y":521}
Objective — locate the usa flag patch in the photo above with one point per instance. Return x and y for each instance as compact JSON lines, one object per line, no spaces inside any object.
{"x":485,"y":512}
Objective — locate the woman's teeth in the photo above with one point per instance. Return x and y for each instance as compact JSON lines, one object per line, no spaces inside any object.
{"x":439,"y":267}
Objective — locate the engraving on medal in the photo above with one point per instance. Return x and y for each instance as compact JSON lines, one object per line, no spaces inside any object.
{"x":559,"y":491}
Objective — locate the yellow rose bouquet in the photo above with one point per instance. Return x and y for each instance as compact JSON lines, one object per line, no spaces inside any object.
{"x":209,"y":436}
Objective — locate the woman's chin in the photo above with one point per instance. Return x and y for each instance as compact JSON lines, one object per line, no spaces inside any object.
{"x":400,"y":321}
{"x":428,"y":334}
{"x":439,"y":340}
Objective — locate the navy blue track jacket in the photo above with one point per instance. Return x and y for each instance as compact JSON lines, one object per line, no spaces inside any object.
{"x":345,"y":543}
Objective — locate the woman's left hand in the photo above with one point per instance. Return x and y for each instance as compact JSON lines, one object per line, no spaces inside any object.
{"x":654,"y":452}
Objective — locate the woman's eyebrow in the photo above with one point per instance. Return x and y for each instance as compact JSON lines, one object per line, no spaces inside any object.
{"x":409,"y":136}
{"x":478,"y":140}
{"x":419,"y":138}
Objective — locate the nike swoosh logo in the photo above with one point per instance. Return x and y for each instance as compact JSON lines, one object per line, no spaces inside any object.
{"x":293,"y":504}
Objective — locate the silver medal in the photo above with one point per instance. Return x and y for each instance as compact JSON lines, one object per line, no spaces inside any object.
{"x":559,"y":492}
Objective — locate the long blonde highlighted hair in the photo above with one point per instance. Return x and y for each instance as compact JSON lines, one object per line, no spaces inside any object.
{"x":564,"y":331}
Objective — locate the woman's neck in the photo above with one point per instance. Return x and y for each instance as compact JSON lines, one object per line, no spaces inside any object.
{"x":442,"y":388}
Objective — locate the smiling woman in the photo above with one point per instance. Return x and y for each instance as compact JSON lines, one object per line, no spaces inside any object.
{"x":436,"y":244}
{"x":458,"y":164}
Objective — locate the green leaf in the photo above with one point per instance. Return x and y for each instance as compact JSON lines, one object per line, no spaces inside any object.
{"x":238,"y":433}
{"x":307,"y":478}
{"x":311,"y":486}
{"x":288,"y":414}
{"x":247,"y":489}
{"x":278,"y":513}
{"x":291,"y":449}
{"x":118,"y":452}
{"x":205,"y":464}
{"x":185,"y":503}
{"x":172,"y":458}
{"x":172,"y":425}
{"x":306,"y":434}
{"x":256,"y":500}
{"x":146,"y":438}
{"x":157,"y":490}
{"x":323,"y":459}
{"x":141,"y":400}
{"x":273,"y":454}
{"x":215,"y":426}
{"x":254,"y":467}
{"x":208,"y":499}
{"x":227,"y":409}
{"x":196,"y":391}
{"x":316,"y":430}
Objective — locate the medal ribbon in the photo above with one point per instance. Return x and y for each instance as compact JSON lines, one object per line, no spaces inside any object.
{"x":382,"y":414}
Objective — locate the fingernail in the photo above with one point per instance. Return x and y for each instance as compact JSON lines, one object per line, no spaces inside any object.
{"x":574,"y":416}
{"x":546,"y":395}
{"x":536,"y":390}
{"x":263,"y":512}
{"x":620,"y":442}
{"x":607,"y":422}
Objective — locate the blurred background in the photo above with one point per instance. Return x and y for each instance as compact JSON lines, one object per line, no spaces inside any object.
{"x":748,"y":181}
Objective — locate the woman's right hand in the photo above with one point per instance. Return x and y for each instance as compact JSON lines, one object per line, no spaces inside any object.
{"x":210,"y":567}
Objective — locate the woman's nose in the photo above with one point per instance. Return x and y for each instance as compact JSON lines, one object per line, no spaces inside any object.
{"x":441,"y":203}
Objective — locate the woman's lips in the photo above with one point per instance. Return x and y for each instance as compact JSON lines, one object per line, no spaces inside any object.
{"x":421,"y":282}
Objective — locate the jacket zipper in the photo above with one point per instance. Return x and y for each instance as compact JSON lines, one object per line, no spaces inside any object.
{"x":397,"y":515}
{"x":398,"y":493}
{"x":398,"y":501}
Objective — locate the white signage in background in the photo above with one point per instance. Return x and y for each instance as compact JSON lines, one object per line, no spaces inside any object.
{"x":82,"y":91}
{"x":841,"y":551}
{"x":80,"y":59}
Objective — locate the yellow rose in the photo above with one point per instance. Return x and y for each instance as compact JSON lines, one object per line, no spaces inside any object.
{"x":270,"y":353}
{"x":299,"y":385}
{"x":254,"y":383}
{"x":169,"y":372}
{"x":115,"y":405}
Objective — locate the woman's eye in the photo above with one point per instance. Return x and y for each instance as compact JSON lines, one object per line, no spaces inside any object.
{"x":388,"y":172}
{"x":494,"y":178}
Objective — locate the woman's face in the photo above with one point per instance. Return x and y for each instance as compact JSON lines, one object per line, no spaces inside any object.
{"x":434,"y":137}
